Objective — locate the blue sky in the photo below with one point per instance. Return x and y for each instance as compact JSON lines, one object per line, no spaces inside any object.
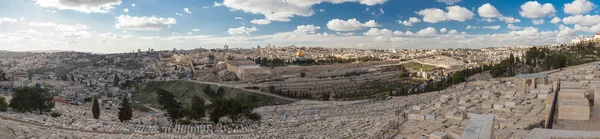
{"x":119,"y":26}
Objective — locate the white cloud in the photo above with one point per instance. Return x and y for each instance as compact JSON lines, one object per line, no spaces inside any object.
{"x":350,"y":24}
{"x":371,"y":23}
{"x":410,"y":21}
{"x":555,"y":20}
{"x":78,"y":34}
{"x":452,"y":32}
{"x":321,"y":10}
{"x":345,"y":34}
{"x":43,"y":24}
{"x":186,"y":10}
{"x":566,"y":31}
{"x":179,"y":14}
{"x":306,"y":29}
{"x":443,"y":30}
{"x":471,"y":27}
{"x":457,"y":13}
{"x":279,"y":10}
{"x":30,"y":31}
{"x":50,"y":11}
{"x":492,"y":27}
{"x":239,"y":18}
{"x":433,"y":15}
{"x":449,"y":2}
{"x":149,"y":38}
{"x":513,"y":27}
{"x":241,"y":31}
{"x":7,"y":20}
{"x":60,"y":27}
{"x":533,"y":9}
{"x":78,"y":27}
{"x":261,"y":21}
{"x":113,"y":36}
{"x":427,"y":31}
{"x":378,"y":32}
{"x":488,"y":11}
{"x":133,"y":5}
{"x":127,"y":22}
{"x":587,"y":20}
{"x":85,"y":6}
{"x":509,"y":20}
{"x":537,"y":21}
{"x":579,"y":7}
{"x":195,"y":30}
{"x":126,"y":10}
{"x":528,"y":31}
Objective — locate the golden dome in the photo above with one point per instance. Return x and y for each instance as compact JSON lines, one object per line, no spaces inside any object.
{"x":300,"y":53}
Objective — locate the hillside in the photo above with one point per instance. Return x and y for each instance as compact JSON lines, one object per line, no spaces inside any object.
{"x":146,"y":93}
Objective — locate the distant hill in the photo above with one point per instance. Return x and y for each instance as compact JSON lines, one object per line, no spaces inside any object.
{"x":184,"y":91}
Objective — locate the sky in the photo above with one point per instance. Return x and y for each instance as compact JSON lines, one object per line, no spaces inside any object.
{"x":113,"y":26}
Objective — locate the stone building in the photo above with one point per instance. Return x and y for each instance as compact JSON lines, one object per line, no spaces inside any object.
{"x":526,"y":82}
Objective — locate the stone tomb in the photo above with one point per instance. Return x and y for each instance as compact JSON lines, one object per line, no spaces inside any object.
{"x":479,"y":127}
{"x":574,"y":109}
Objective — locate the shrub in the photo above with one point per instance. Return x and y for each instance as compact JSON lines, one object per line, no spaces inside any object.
{"x":55,"y":114}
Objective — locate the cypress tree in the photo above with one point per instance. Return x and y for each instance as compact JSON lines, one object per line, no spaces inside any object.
{"x":125,"y":112}
{"x":96,"y":109}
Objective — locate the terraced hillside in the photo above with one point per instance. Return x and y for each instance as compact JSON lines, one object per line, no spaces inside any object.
{"x":146,"y":93}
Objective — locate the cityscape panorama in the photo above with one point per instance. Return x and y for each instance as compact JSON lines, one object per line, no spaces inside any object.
{"x":299,"y":69}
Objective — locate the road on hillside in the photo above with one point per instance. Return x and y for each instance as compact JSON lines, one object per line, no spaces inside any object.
{"x":241,"y":87}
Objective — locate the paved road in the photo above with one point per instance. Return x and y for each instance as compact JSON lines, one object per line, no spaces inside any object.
{"x":241,"y":87}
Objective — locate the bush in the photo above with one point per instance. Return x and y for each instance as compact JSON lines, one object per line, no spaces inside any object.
{"x":3,"y":105}
{"x":183,"y":122}
{"x":87,"y":99}
{"x":55,"y":114}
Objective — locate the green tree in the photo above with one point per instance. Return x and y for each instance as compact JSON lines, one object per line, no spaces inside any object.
{"x":234,"y":108}
{"x":325,"y":96}
{"x":218,"y":110}
{"x":125,"y":112}
{"x":272,"y":89}
{"x":116,"y":81}
{"x":167,"y":100}
{"x":31,"y":99}
{"x":3,"y":76}
{"x":3,"y":105}
{"x":197,"y":111}
{"x":220,"y":91}
{"x":96,"y":108}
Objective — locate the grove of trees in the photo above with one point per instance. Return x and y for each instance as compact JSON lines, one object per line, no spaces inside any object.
{"x":32,"y":99}
{"x":233,"y":108}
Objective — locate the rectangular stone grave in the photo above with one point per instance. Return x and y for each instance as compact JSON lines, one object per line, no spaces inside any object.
{"x":574,"y":110}
{"x":438,"y":135}
{"x":416,"y":108}
{"x":498,"y":105}
{"x":510,"y":104}
{"x":487,"y":105}
{"x":580,"y":93}
{"x":597,"y":98}
{"x":479,"y":127}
